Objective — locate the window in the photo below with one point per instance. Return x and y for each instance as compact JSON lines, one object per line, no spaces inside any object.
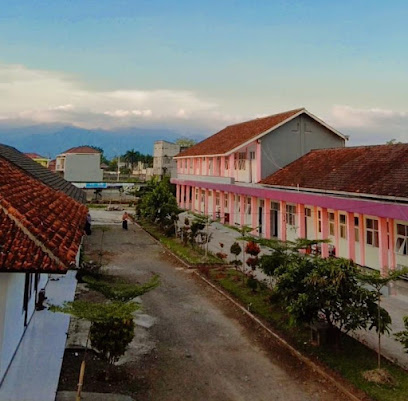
{"x":402,"y":239}
{"x":343,"y":225}
{"x":308,"y":212}
{"x":372,"y":232}
{"x":249,"y":206}
{"x":331,"y":223}
{"x":252,"y":155}
{"x":227,"y":163}
{"x":225,"y":200}
{"x":291,"y":215}
{"x":357,"y":229}
{"x":319,"y":217}
{"x":217,"y":199}
{"x":275,"y":206}
{"x":185,"y":163}
{"x":196,"y":194}
{"x":241,"y":160}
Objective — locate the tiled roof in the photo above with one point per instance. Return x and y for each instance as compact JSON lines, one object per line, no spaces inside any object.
{"x":376,"y":170}
{"x":81,"y":149}
{"x":41,"y":173}
{"x":52,"y":165}
{"x":235,"y":135}
{"x":34,"y":156}
{"x":40,"y":228}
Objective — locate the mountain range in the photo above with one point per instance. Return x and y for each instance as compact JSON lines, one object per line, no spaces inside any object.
{"x":50,"y":140}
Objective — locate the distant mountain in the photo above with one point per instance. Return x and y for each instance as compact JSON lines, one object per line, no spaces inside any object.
{"x":50,"y":140}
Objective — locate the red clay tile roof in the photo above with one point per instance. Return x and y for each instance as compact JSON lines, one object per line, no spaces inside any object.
{"x":40,"y":228}
{"x":376,"y":170}
{"x":34,"y":156}
{"x":234,"y":135}
{"x":81,"y":149}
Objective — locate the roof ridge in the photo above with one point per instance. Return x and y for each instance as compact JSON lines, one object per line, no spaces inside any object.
{"x":360,"y":147}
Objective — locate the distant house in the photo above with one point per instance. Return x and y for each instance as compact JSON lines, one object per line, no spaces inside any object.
{"x":44,"y":161}
{"x":80,"y":164}
{"x":41,"y":229}
{"x":163,"y":162}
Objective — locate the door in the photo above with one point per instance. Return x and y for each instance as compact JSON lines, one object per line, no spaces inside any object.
{"x":260,"y":220}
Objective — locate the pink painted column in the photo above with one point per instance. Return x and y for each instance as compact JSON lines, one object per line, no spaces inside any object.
{"x":301,"y":220}
{"x":183,"y":193}
{"x":200,"y":165}
{"x":258,"y":160}
{"x":351,"y":237}
{"x":267,"y":218}
{"x":336,"y":233}
{"x":188,"y":197}
{"x":242,"y":209}
{"x":231,"y":208}
{"x":254,"y":214}
{"x":178,"y":194}
{"x":206,"y":202}
{"x":316,"y":222}
{"x":393,"y":262}
{"x":282,"y":222}
{"x":195,"y":166}
{"x":361,"y":234}
{"x":325,"y":233}
{"x":214,"y":205}
{"x":222,"y":206}
{"x":222,"y":170}
{"x":215,"y":171}
{"x":231,"y":166}
{"x":383,"y":244}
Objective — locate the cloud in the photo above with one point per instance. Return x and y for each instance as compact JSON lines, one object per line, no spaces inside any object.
{"x":370,"y":126}
{"x":37,"y":96}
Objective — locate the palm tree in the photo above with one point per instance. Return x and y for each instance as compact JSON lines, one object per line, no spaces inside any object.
{"x":132,"y":156}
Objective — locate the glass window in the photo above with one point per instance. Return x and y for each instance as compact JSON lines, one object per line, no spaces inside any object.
{"x":331,"y":223}
{"x":372,"y":232}
{"x":291,"y":215}
{"x":356,"y":229}
{"x":343,"y":225}
{"x":402,"y":239}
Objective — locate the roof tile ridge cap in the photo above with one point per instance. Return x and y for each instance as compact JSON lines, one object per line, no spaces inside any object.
{"x":294,"y":111}
{"x":32,"y":237}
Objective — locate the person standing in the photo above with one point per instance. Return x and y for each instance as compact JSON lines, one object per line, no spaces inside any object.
{"x":125,"y":219}
{"x":88,"y":230}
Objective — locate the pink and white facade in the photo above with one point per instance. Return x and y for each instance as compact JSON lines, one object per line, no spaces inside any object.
{"x":237,"y":187}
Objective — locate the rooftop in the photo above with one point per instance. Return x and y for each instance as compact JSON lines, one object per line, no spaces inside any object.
{"x":41,"y":173}
{"x":82,"y":149}
{"x":373,"y":170}
{"x":40,"y":228}
{"x":35,"y":156}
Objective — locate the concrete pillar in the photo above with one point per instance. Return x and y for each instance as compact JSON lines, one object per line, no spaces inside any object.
{"x":383,"y":244}
{"x":258,"y":156}
{"x":222,"y":206}
{"x":222,"y":170}
{"x":178,"y":194}
{"x":361,"y":233}
{"x":182,"y":196}
{"x":206,"y":202}
{"x":282,"y":220}
{"x":267,"y":207}
{"x":231,"y":208}
{"x":351,"y":237}
{"x":300,"y":209}
{"x":316,"y":222}
{"x":392,"y":259}
{"x":254,"y":214}
{"x":200,"y":166}
{"x":214,"y":204}
{"x":242,"y":208}
{"x":336,"y":233}
{"x":231,"y":166}
{"x":215,"y":171}
{"x":325,"y":232}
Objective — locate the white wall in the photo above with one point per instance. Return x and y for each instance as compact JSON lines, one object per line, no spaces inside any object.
{"x":12,"y":315}
{"x":83,"y":168}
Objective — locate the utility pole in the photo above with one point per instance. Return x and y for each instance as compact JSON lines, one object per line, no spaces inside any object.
{"x":118,"y":168}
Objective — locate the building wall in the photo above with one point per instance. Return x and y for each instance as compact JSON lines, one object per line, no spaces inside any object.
{"x":293,"y":140}
{"x":12,"y":315}
{"x":163,"y":162}
{"x":83,"y":168}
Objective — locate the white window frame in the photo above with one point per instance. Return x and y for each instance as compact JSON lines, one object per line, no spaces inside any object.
{"x":402,"y":247}
{"x":372,"y":233}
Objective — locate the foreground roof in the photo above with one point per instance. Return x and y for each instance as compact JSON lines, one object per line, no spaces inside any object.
{"x":81,"y":149}
{"x":374,"y":170}
{"x":40,"y":228}
{"x":237,"y":135}
{"x":41,"y":173}
{"x":35,"y":156}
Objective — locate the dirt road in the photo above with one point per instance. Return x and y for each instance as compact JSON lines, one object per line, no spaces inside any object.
{"x":192,"y":343}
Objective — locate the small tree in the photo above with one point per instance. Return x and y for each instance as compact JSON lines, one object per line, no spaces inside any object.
{"x":236,"y":249}
{"x":402,"y":336}
{"x":378,"y":282}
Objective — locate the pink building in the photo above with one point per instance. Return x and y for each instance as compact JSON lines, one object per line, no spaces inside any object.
{"x":264,"y":173}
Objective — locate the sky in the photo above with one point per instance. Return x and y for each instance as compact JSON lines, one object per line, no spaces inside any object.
{"x":197,"y":66}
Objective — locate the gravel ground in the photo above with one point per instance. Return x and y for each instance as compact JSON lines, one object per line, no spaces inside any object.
{"x":191,"y":342}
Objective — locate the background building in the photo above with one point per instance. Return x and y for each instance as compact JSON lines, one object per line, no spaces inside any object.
{"x":163,"y":162}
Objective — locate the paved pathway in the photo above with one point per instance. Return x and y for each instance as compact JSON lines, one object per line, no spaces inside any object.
{"x":196,"y":349}
{"x":396,"y":305}
{"x":34,"y":372}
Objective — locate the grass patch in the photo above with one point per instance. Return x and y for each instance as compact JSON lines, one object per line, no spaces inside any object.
{"x":350,"y":362}
{"x":191,"y":256}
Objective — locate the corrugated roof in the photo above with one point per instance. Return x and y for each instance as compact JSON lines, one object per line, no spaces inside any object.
{"x":40,"y":228}
{"x":41,"y":173}
{"x":376,"y":170}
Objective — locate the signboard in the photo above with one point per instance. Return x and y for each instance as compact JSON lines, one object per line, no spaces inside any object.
{"x":96,"y":185}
